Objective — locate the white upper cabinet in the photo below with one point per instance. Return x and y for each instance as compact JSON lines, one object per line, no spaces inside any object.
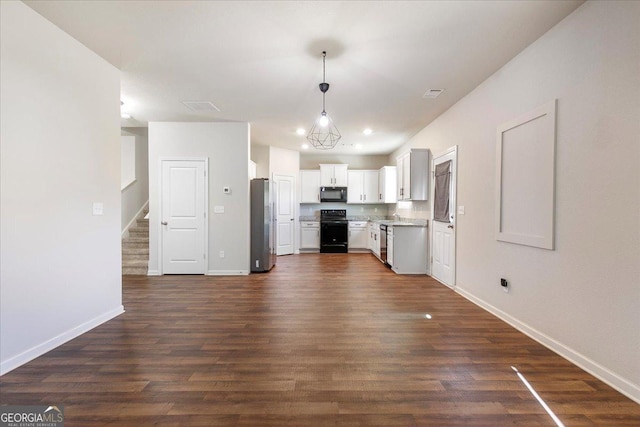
{"x":309,"y":186}
{"x":413,"y":175}
{"x":387,"y":180}
{"x":333,"y":175}
{"x":363,"y":186}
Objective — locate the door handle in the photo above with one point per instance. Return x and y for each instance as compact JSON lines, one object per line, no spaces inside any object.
{"x":450,"y":226}
{"x":164,"y":223}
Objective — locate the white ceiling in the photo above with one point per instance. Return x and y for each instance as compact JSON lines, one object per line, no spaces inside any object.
{"x":261,"y":62}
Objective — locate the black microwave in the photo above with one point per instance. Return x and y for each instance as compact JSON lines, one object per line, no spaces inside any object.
{"x":333,"y":194}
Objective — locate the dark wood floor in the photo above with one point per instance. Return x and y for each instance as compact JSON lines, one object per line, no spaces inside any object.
{"x":321,"y":340}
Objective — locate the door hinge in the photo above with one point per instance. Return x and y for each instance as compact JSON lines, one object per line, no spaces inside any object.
{"x":205,"y":173}
{"x":204,"y":256}
{"x":205,"y":214}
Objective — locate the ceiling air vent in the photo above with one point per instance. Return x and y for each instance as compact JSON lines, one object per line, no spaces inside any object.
{"x":432,"y":93}
{"x":200,"y":106}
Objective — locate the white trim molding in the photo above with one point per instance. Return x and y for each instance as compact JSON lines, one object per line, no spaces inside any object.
{"x":40,"y":349}
{"x":125,"y":231}
{"x":632,"y":391}
{"x":525,"y":178}
{"x":227,"y":272}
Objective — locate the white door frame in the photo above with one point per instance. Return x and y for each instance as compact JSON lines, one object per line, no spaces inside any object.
{"x":453,"y":198}
{"x":160,"y":234}
{"x":293,"y":209}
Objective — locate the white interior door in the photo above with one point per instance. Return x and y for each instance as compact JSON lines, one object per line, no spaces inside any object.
{"x":443,"y":260}
{"x":183,"y":227}
{"x":285,"y":213}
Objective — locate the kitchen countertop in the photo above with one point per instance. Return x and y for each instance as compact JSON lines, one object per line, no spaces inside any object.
{"x":407,"y":222}
{"x":349,"y":218}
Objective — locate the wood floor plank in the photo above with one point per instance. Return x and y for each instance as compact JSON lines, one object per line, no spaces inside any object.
{"x":322,"y":339}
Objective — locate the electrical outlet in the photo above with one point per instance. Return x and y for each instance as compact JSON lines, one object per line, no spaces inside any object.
{"x":504,"y":284}
{"x":221,"y":254}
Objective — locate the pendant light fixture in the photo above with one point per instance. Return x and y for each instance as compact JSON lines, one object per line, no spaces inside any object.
{"x":324,"y":135}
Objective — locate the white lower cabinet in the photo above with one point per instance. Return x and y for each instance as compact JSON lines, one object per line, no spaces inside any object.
{"x":309,"y":235}
{"x":358,"y":235}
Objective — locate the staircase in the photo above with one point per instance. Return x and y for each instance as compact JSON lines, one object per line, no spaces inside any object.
{"x":135,"y":249}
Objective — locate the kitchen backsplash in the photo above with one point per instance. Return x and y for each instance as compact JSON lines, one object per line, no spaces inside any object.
{"x":381,"y":211}
{"x":406,"y":210}
{"x":409,"y":209}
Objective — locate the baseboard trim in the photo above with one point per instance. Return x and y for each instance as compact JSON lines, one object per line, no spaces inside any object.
{"x":632,"y":391}
{"x":227,"y":272}
{"x":40,"y":349}
{"x":125,"y":231}
{"x":153,"y":273}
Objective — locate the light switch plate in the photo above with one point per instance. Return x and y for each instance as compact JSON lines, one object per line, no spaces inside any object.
{"x":98,"y":208}
{"x":218,"y":209}
{"x":460,"y":210}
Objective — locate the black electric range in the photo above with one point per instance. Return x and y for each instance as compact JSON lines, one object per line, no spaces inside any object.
{"x":334,"y":231}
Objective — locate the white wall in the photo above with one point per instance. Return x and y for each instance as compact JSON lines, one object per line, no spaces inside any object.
{"x":136,"y":195}
{"x":226,"y":145}
{"x":582,"y":299}
{"x":312,"y":161}
{"x":284,"y":162}
{"x":260,"y":155}
{"x":60,"y":152}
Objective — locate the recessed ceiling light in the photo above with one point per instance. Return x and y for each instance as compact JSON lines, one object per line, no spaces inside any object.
{"x":300,"y":131}
{"x":305,"y":146}
{"x":367,"y":131}
{"x":358,"y":146}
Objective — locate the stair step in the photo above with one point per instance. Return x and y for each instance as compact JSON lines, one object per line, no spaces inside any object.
{"x":142,"y":223}
{"x":134,"y":256}
{"x":134,"y":271}
{"x":135,"y":245}
{"x":128,"y":250}
{"x":135,"y":263}
{"x":137,"y":232}
{"x":136,"y":239}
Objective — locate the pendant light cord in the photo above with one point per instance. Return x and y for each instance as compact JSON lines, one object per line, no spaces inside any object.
{"x":324,"y":79}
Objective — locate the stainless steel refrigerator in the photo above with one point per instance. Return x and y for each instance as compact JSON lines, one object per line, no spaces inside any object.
{"x":263,"y":248}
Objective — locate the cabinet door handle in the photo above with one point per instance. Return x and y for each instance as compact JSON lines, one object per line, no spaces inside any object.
{"x":164,"y":223}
